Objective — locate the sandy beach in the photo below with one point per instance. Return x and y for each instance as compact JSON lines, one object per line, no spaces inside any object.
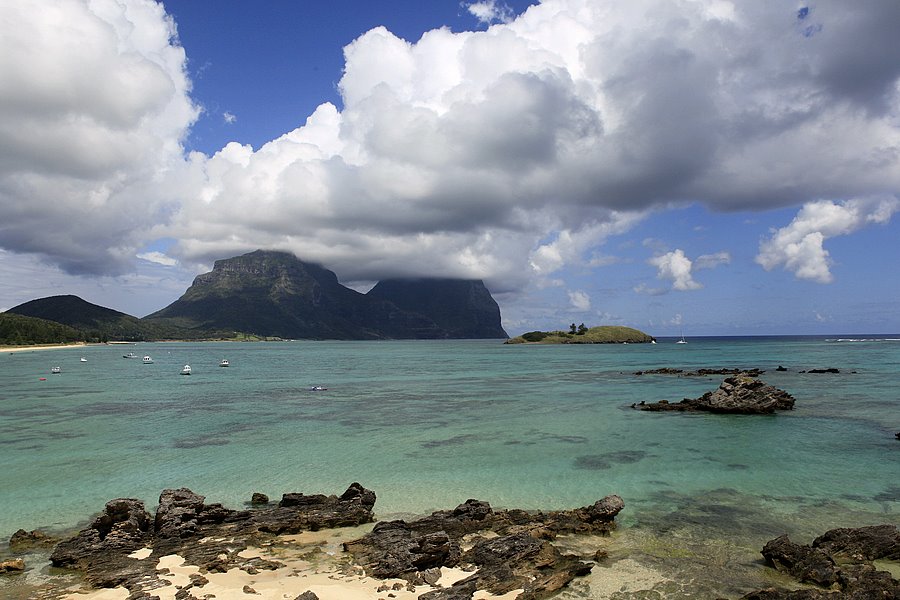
{"x":310,"y":562}
{"x":40,"y":347}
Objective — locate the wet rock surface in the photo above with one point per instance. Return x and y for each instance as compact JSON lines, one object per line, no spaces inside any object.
{"x":738,"y":394}
{"x":838,"y":563}
{"x":507,"y":550}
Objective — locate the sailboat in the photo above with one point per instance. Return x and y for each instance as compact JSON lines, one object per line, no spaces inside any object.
{"x":682,"y":340}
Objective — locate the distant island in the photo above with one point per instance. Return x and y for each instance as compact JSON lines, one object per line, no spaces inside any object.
{"x":604,"y":334}
{"x":271,"y":295}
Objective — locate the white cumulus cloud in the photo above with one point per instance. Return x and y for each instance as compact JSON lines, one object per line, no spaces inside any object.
{"x":579,"y":300}
{"x":490,"y":11}
{"x":676,"y":267}
{"x":799,"y":247}
{"x":499,"y":154}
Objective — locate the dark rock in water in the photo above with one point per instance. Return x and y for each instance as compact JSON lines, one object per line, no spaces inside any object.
{"x":780,"y":368}
{"x":23,"y":541}
{"x":15,"y":565}
{"x":258,"y":498}
{"x":809,"y":565}
{"x":662,"y":371}
{"x":739,"y":394}
{"x":820,"y":371}
{"x":519,"y":555}
{"x":861,"y":544}
{"x":705,"y":372}
{"x":817,"y":564}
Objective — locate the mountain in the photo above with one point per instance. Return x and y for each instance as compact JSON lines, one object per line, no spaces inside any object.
{"x":95,"y":322}
{"x":464,"y":309}
{"x":275,"y":294}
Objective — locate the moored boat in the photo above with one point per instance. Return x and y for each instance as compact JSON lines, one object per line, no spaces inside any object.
{"x":130,"y":355}
{"x":147,"y":360}
{"x":224,"y":363}
{"x":56,"y":370}
{"x":186,"y":370}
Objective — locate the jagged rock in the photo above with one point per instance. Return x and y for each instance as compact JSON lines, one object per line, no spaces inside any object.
{"x":807,"y":564}
{"x":394,"y":550}
{"x":22,"y":541}
{"x":258,"y":498}
{"x":307,"y":596}
{"x":521,"y":556}
{"x":463,"y":590}
{"x":123,"y":527}
{"x":206,"y":535}
{"x":861,"y":544}
{"x":739,"y":394}
{"x":15,"y":565}
{"x":817,"y":564}
{"x":781,"y":369}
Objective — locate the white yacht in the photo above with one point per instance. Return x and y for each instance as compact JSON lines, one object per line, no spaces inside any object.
{"x":186,"y":370}
{"x":224,"y":363}
{"x":148,"y":360}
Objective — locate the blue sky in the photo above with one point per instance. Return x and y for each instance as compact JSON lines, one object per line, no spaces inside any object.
{"x":717,"y":167}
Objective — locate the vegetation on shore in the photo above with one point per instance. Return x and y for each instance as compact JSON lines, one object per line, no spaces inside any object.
{"x":18,"y":330}
{"x":604,"y":334}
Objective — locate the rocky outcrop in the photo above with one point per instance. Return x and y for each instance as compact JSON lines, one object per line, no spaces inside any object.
{"x":510,"y":549}
{"x":838,"y":563}
{"x":24,"y":541}
{"x":15,"y":565}
{"x":739,"y":394}
{"x":208,"y":535}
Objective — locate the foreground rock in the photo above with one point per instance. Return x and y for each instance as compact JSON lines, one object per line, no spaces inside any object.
{"x":739,"y":394}
{"x":207,"y":535}
{"x":838,"y":563}
{"x":505,"y":550}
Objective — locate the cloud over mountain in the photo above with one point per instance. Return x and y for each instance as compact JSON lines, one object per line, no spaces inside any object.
{"x":499,"y":154}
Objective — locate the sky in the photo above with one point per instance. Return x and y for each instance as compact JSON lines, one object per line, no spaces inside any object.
{"x":705,"y":166}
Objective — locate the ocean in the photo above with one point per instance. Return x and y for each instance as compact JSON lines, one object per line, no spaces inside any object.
{"x":429,"y":424}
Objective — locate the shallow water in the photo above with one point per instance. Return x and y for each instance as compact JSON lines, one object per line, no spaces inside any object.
{"x":429,"y":424}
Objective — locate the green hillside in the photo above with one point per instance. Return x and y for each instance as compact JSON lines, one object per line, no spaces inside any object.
{"x":605,"y":334}
{"x":19,"y":330}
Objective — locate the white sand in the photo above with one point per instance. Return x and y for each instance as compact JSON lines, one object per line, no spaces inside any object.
{"x":40,"y":347}
{"x":286,"y":583}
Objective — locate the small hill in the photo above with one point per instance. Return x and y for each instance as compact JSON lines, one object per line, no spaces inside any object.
{"x":605,"y":334}
{"x":19,"y":330}
{"x":96,"y":323}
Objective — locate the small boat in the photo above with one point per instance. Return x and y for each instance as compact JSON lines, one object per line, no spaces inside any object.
{"x":224,"y":363}
{"x":56,"y":370}
{"x":317,"y":388}
{"x":148,"y":360}
{"x":682,"y":340}
{"x":129,"y":355}
{"x":83,"y":359}
{"x":186,"y":370}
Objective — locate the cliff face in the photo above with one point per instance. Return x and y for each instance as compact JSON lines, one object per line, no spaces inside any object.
{"x":462,"y":308}
{"x":275,"y":294}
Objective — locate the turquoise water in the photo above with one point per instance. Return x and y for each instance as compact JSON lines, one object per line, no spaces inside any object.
{"x":429,"y":424}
